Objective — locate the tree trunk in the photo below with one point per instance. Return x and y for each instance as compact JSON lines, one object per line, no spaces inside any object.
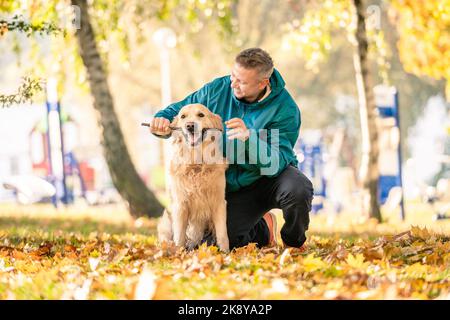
{"x":369,"y":172}
{"x":141,"y":201}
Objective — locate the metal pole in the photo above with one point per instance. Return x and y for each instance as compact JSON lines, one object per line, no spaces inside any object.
{"x":166,"y":99}
{"x":65,"y":197}
{"x":49,"y":152}
{"x":399,"y":153}
{"x":55,"y":142}
{"x":165,"y":39}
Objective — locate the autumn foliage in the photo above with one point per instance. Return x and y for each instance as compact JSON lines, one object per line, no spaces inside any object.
{"x":82,"y":258}
{"x":424,"y":42}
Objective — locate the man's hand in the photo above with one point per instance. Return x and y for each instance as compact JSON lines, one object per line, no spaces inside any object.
{"x":238,"y":129}
{"x":160,"y":126}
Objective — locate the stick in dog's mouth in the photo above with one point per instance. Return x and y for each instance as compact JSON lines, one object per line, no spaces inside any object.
{"x":195,"y":137}
{"x":190,"y":135}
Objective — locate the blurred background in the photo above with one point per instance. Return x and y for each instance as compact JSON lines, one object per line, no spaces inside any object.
{"x":69,"y":122}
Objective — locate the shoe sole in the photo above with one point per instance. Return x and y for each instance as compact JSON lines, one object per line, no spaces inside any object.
{"x":274,"y":229}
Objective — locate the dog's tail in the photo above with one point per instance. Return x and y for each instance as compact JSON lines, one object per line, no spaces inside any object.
{"x":165,"y":232}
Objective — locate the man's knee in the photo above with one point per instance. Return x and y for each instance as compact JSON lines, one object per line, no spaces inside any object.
{"x":296,"y":188}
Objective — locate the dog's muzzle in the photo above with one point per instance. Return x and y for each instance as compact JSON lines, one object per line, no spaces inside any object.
{"x":194,"y":136}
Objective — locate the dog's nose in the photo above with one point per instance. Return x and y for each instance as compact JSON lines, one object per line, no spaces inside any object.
{"x":190,"y":126}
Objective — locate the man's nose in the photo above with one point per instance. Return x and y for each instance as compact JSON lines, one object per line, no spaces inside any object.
{"x":234,"y":84}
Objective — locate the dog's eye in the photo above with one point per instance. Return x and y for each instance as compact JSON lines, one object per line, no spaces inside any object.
{"x":183,"y":116}
{"x":201,"y":115}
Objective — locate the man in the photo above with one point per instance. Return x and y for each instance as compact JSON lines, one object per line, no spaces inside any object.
{"x":254,"y":98}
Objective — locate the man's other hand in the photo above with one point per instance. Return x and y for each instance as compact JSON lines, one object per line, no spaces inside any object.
{"x":238,"y":129}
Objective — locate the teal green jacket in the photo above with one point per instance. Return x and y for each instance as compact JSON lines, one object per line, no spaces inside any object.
{"x":266,"y":152}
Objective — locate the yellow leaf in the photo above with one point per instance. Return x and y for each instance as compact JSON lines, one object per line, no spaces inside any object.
{"x":417,"y":270}
{"x":357,"y":261}
{"x":248,"y":249}
{"x":312,"y":264}
{"x":205,"y":251}
{"x":420,"y":233}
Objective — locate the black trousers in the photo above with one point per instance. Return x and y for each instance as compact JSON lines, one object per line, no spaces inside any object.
{"x":290,"y":191}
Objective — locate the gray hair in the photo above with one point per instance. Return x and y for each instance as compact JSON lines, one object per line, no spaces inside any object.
{"x":256,"y":58}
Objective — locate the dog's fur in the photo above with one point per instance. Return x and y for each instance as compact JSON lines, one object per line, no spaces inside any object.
{"x":196,"y":181}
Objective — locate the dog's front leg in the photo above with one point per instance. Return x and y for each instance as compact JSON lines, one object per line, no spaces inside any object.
{"x":165,"y":227}
{"x":220,"y":225}
{"x":180,"y":221}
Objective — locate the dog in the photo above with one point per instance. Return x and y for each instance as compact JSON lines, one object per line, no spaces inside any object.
{"x":196,"y":180}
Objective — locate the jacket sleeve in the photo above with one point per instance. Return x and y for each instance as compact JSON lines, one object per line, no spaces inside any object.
{"x":199,"y":96}
{"x":271,"y":150}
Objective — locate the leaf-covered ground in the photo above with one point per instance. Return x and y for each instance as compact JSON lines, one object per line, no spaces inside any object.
{"x":101,"y":253}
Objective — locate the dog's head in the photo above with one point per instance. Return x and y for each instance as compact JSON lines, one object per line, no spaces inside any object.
{"x":194,"y":121}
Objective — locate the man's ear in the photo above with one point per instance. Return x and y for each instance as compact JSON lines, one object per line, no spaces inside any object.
{"x":264,"y":83}
{"x":216,"y":121}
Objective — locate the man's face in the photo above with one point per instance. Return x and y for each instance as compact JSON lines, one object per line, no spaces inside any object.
{"x":247,"y":84}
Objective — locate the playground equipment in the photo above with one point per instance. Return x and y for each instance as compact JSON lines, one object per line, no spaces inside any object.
{"x":29,"y":189}
{"x":48,"y":154}
{"x":311,"y":163}
{"x":390,"y":157}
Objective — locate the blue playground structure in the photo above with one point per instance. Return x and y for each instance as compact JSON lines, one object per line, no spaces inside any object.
{"x":311,"y":163}
{"x":390,"y":158}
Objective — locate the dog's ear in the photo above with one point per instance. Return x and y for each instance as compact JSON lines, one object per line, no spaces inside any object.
{"x":174,"y":122}
{"x":216,"y":121}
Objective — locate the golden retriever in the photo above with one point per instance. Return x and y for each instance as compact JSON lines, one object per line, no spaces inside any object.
{"x":196,"y":180}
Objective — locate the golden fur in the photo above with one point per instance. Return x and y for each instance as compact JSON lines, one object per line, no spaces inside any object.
{"x":196,"y":181}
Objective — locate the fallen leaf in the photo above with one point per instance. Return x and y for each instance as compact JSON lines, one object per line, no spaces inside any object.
{"x":285,"y":256}
{"x":93,"y":263}
{"x":310,"y":263}
{"x":146,"y":285}
{"x":420,"y":233}
{"x":357,"y":261}
{"x":19,"y":255}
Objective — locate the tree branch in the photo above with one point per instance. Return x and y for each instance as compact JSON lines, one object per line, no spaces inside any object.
{"x":29,"y":88}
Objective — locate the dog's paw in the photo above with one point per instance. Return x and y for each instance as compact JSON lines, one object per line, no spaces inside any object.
{"x":190,"y":246}
{"x":224,"y":244}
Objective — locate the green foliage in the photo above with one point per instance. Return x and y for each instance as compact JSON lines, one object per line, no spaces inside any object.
{"x":188,"y":17}
{"x":311,"y":37}
{"x":116,"y":23}
{"x":18,"y":23}
{"x":27,"y":90}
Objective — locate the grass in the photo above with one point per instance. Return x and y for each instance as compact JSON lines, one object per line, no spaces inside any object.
{"x":102,"y":253}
